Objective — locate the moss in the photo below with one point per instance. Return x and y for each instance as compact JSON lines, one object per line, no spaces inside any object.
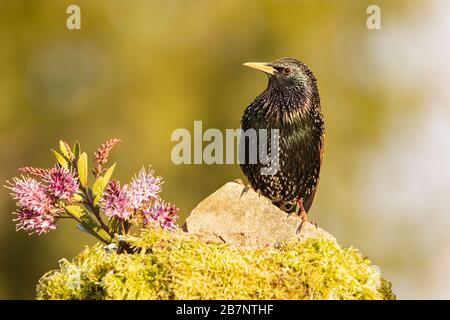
{"x":180,"y":266}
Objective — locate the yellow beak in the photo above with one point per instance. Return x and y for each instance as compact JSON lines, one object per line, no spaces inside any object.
{"x":262,"y":66}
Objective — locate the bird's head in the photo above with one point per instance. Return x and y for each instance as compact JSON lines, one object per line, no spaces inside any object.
{"x":286,"y":73}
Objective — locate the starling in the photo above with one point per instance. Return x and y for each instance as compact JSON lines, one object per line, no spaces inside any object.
{"x":291,"y":104}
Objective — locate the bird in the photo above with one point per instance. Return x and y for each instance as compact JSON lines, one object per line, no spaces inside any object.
{"x":291,"y":104}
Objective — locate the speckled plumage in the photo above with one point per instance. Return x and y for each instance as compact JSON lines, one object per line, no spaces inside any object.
{"x":291,"y":103}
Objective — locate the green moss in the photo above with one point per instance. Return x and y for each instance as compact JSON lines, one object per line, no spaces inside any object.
{"x":180,"y":266}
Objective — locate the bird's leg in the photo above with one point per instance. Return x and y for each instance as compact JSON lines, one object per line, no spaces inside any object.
{"x":303,"y":216}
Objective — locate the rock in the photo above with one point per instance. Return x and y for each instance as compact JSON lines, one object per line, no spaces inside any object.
{"x":246,"y":219}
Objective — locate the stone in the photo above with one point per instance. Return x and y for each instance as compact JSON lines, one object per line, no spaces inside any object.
{"x":246,"y":219}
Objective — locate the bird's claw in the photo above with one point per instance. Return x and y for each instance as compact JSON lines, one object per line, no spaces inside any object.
{"x":244,"y":190}
{"x":299,"y":229}
{"x":304,"y":217}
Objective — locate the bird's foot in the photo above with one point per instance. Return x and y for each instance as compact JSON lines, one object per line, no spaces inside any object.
{"x":304,"y":217}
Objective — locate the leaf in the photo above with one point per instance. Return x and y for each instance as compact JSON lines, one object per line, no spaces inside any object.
{"x":78,"y":198}
{"x":76,"y":150}
{"x":75,"y":211}
{"x":97,"y":190}
{"x":65,"y":152}
{"x":101,"y":183}
{"x":82,"y":228}
{"x":88,"y":223}
{"x":82,"y":166}
{"x":108,"y":175}
{"x":113,"y":224}
{"x":61,"y":160}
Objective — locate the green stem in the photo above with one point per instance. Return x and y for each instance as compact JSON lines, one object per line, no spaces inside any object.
{"x":87,"y":228}
{"x":95,"y":210}
{"x":89,"y":203}
{"x":124,"y":230}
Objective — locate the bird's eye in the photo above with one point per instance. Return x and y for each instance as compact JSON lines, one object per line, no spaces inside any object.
{"x":286,"y":70}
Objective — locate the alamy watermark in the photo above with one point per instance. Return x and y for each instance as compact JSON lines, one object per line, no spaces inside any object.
{"x":373,"y":21}
{"x":254,"y":147}
{"x":73,"y":21}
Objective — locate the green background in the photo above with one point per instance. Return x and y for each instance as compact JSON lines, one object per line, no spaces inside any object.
{"x":137,"y":70}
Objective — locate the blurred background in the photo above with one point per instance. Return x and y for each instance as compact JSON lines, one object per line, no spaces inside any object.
{"x":138,"y":70}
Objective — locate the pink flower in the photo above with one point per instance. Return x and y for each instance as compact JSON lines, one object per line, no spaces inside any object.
{"x":34,"y":222}
{"x":143,"y":188}
{"x":102,"y":154}
{"x":30,"y":195}
{"x":115,"y":201}
{"x":161,"y":212}
{"x":61,"y":183}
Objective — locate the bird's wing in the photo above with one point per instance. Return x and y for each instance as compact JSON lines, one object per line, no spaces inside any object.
{"x":307,"y":203}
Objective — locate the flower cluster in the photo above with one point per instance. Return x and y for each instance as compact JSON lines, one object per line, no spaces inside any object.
{"x":161,"y":212}
{"x":34,"y":222}
{"x":144,"y":187}
{"x":139,"y":200}
{"x":45,"y":195}
{"x":115,"y":201}
{"x":37,"y":201}
{"x":102,"y":154}
{"x":61,"y":183}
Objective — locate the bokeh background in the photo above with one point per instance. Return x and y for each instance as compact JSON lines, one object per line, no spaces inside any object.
{"x":137,"y":70}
